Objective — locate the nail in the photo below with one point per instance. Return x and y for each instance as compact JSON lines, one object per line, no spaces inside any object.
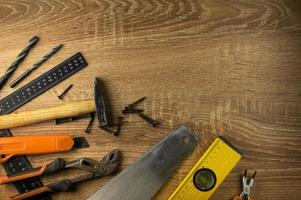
{"x":65,"y":92}
{"x":88,"y":129}
{"x":137,"y":102}
{"x":128,"y":109}
{"x":150,"y":120}
{"x":119,"y":125}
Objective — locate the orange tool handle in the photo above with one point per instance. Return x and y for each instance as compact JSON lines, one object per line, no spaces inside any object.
{"x":55,"y":166}
{"x":27,"y":145}
{"x":17,"y":177}
{"x":59,"y":186}
{"x":31,"y":193}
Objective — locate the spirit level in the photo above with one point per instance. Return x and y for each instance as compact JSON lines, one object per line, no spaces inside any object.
{"x":209,"y":172}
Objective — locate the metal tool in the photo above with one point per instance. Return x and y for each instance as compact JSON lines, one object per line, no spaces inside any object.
{"x":38,"y":144}
{"x":61,"y":96}
{"x":35,"y":66}
{"x":107,"y":165}
{"x":57,"y":112}
{"x":64,"y":112}
{"x":101,"y":108}
{"x":246,"y":187}
{"x":145,"y":177}
{"x":24,"y":95}
{"x":209,"y":172}
{"x":21,"y":56}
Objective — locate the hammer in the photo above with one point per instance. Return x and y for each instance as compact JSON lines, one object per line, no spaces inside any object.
{"x":63,"y":111}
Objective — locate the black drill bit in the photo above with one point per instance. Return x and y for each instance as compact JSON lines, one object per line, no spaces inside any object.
{"x":36,"y":65}
{"x":9,"y":72}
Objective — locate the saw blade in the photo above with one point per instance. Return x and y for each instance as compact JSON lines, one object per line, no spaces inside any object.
{"x":144,"y":178}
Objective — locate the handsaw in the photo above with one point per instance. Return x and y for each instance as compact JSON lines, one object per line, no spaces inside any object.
{"x":145,"y":177}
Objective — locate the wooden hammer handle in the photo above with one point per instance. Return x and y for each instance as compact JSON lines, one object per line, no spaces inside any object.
{"x":41,"y":115}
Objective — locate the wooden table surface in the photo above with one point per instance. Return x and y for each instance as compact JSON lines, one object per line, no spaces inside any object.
{"x":229,"y":68}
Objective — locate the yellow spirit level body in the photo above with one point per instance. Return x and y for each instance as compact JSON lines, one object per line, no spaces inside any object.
{"x":209,"y":172}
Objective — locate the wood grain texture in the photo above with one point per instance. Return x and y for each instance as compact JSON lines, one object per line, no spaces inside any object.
{"x":227,"y":68}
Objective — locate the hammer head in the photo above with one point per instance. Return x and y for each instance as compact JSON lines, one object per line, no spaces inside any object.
{"x":100,"y":103}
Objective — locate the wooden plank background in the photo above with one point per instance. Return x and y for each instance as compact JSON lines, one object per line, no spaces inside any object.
{"x":223,"y":67}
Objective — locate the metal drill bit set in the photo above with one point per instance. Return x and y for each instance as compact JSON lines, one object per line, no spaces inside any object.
{"x":20,"y":58}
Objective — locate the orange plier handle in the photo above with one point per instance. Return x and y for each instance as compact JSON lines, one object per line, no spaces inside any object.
{"x":54,"y":166}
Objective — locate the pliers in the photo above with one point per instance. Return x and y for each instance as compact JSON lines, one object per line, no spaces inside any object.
{"x":105,"y":166}
{"x":246,"y":187}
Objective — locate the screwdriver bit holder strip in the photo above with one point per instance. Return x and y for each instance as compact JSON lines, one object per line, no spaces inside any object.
{"x":23,"y":95}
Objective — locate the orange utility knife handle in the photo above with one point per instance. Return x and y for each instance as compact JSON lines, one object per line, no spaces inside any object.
{"x":56,"y":165}
{"x":26,"y":145}
{"x":31,"y":193}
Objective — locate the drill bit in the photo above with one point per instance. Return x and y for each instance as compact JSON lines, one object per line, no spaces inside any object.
{"x":9,"y":72}
{"x":35,"y":66}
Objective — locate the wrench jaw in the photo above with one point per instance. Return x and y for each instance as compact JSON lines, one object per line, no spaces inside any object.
{"x":110,"y":162}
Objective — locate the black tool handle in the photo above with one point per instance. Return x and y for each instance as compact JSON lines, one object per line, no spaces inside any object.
{"x":56,"y":165}
{"x":59,"y":186}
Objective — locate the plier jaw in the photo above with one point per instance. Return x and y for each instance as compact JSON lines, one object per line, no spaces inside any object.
{"x":247,"y":185}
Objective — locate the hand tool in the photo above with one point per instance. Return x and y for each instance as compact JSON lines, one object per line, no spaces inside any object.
{"x":65,"y":92}
{"x":246,"y":187}
{"x":21,"y":56}
{"x":209,"y":172}
{"x":24,"y":95}
{"x":145,"y":177}
{"x":21,"y":164}
{"x":35,"y":66}
{"x":104,"y":167}
{"x":57,"y":112}
{"x":41,"y":144}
